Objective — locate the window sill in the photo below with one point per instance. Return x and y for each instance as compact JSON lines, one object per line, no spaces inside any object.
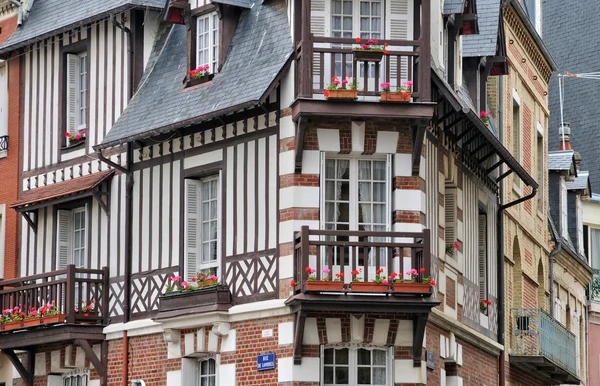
{"x":3,"y":154}
{"x":73,"y":147}
{"x":484,"y":320}
{"x":195,"y":82}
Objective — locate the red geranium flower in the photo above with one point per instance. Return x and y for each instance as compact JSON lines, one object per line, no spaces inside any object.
{"x":326,"y":94}
{"x":380,"y":270}
{"x":354,"y":272}
{"x":357,"y":40}
{"x":386,"y":52}
{"x":422,"y":270}
{"x":292,"y":283}
{"x":432,"y":282}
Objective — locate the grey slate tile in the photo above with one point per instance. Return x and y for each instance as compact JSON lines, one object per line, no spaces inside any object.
{"x":581,"y":181}
{"x":260,"y":48}
{"x":484,"y":44}
{"x":52,"y":16}
{"x":454,"y":6}
{"x":560,"y":160}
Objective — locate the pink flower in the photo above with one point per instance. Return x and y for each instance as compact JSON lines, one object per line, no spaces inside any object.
{"x":483,"y":114}
{"x":385,"y":281}
{"x":345,"y":81}
{"x":408,"y":83}
{"x":82,"y":132}
{"x":184,"y":283}
{"x":336,"y":81}
{"x":67,"y":135}
{"x":177,"y":278}
{"x":77,"y":137}
{"x":365,"y":46}
{"x":371,"y":41}
{"x":326,"y":270}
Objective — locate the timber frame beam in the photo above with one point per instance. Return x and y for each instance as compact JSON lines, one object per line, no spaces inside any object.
{"x":100,"y":364}
{"x":301,"y":125}
{"x":32,"y":222}
{"x":27,"y":374}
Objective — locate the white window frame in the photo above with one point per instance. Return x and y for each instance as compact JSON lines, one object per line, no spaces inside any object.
{"x":73,"y":375}
{"x":83,"y":229}
{"x":212,"y":51}
{"x":195,"y":250}
{"x":200,"y":376}
{"x":76,"y":87}
{"x":557,"y":309}
{"x":353,"y":362}
{"x":69,"y":241}
{"x":579,"y":218}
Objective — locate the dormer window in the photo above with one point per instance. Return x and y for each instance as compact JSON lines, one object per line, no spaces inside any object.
{"x":207,"y":41}
{"x":75,"y":70}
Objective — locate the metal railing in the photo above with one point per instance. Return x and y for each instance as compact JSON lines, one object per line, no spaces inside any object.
{"x":3,"y":142}
{"x":535,"y":333}
{"x":362,"y":251}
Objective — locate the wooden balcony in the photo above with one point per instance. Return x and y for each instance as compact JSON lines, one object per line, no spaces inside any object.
{"x":543,"y":347}
{"x":67,"y":288}
{"x":365,"y":252}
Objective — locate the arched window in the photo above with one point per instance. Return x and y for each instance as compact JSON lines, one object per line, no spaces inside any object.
{"x":76,"y":378}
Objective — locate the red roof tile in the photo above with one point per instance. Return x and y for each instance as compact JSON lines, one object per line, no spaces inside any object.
{"x":62,"y":189}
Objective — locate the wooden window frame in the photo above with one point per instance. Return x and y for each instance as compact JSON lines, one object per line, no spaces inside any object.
{"x":70,"y":206}
{"x":483,"y":287}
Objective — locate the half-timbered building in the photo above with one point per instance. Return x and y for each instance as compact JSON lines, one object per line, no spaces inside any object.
{"x":254,"y":173}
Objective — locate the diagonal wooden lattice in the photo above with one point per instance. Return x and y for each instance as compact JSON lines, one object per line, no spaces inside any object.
{"x":146,"y":287}
{"x":116,"y":298}
{"x":252,"y":276}
{"x":471,"y":301}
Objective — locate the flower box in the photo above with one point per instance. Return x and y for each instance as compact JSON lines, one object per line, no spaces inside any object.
{"x":395,"y":97}
{"x":411,"y":288}
{"x":369,"y":286}
{"x":324,"y":285}
{"x":200,"y":80}
{"x":53,"y":319}
{"x":30,"y":322}
{"x":341,"y":94}
{"x":368,"y":55}
{"x":13,"y":325}
{"x":180,"y":300}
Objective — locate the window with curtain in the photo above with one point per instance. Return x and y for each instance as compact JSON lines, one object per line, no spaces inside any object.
{"x":356,"y":198}
{"x":76,"y":378}
{"x":206,"y":372}
{"x":207,"y":41}
{"x":355,"y":366}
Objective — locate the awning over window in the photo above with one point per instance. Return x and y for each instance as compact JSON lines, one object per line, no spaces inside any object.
{"x":62,"y":191}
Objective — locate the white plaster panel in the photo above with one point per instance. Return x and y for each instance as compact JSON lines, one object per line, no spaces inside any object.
{"x":228,"y":342}
{"x":54,"y":380}
{"x":94,"y":382}
{"x":443,"y":352}
{"x":79,"y":358}
{"x":213,"y":342}
{"x":311,"y":162}
{"x":287,"y":128}
{"x":203,"y":159}
{"x":329,"y":140}
{"x":308,"y":371}
{"x":442,"y":282}
{"x":454,"y":381}
{"x":55,"y":360}
{"x":459,"y":354}
{"x":40,"y":364}
{"x":299,"y":197}
{"x":442,"y":377}
{"x":408,"y":200}
{"x":174,"y":378}
{"x":407,"y":227}
{"x":174,"y":348}
{"x":404,"y":372}
{"x":357,"y":328}
{"x":287,"y":228}
{"x":380,"y":331}
{"x":189,"y":343}
{"x":358,"y":138}
{"x":285,"y":333}
{"x":227,"y":375}
{"x":460,"y":293}
{"x":386,"y":142}
{"x":404,"y":337}
{"x":287,"y":163}
{"x":311,"y":332}
{"x":334,"y":330}
{"x":200,"y":339}
{"x":68,"y":355}
{"x":286,"y":267}
{"x":402,"y":165}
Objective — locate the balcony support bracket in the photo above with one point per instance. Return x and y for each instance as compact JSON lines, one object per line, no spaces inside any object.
{"x":104,"y":205}
{"x":299,"y":335}
{"x":419,"y":324}
{"x":31,"y":221}
{"x":100,"y":364}
{"x":418,"y":138}
{"x":27,"y":374}
{"x":299,"y":146}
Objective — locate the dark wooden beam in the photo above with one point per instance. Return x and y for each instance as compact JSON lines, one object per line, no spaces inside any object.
{"x":418,"y":133}
{"x":504,"y":175}
{"x":307,"y":107}
{"x":103,"y":205}
{"x":26,"y":374}
{"x":32,"y":223}
{"x":494,"y":166}
{"x":91,"y":355}
{"x":299,"y":336}
{"x":419,"y":324}
{"x":299,"y":147}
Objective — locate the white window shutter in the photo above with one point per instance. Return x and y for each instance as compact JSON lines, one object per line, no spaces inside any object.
{"x":192,"y":227}
{"x":72,"y":92}
{"x":398,"y":26}
{"x":450,"y":218}
{"x":482,"y":256}
{"x":320,"y":25}
{"x":64,"y":248}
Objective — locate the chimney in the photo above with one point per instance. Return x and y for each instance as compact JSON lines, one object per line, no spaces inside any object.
{"x":565,"y":139}
{"x":577,"y":157}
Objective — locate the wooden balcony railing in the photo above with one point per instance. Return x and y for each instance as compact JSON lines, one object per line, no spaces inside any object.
{"x":363,"y":251}
{"x":68,"y":288}
{"x":321,"y":58}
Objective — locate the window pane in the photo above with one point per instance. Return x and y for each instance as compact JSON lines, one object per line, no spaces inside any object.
{"x":347,"y":8}
{"x":379,"y":357}
{"x":364,"y":357}
{"x":328,"y":375}
{"x":364,"y":375}
{"x":341,"y":356}
{"x":365,"y":8}
{"x":328,"y":356}
{"x":379,"y":377}
{"x":341,"y":375}
{"x":336,"y":7}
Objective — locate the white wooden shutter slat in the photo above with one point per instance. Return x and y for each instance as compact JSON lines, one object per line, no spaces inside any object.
{"x":450,"y":218}
{"x":192,"y":227}
{"x":398,"y":27}
{"x":72,"y":91}
{"x":320,"y":21}
{"x":482,"y":256}
{"x":64,"y":235}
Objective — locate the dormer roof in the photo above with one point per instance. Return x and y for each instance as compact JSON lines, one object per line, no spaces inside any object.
{"x":484,"y":43}
{"x":581,"y":183}
{"x":562,"y":161}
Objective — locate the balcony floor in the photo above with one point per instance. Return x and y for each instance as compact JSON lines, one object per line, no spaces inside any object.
{"x":23,"y":339}
{"x":544,"y":369}
{"x":307,"y":107}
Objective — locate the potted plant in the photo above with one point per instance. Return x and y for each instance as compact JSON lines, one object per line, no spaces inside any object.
{"x":369,"y":50}
{"x":345,"y":89}
{"x":379,"y":284}
{"x":450,"y":248}
{"x":32,"y":318}
{"x":75,"y":136}
{"x":12,"y":318}
{"x":402,"y":94}
{"x":409,"y":283}
{"x":201,"y":289}
{"x":200,"y":75}
{"x":51,"y":314}
{"x":325,"y":284}
{"x":485,"y":117}
{"x":484,"y":305}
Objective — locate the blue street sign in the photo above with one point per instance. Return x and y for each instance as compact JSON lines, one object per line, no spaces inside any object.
{"x":265,"y":362}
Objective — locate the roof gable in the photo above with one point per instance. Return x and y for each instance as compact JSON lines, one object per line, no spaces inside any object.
{"x":484,"y":43}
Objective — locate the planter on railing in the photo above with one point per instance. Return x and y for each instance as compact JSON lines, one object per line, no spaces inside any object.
{"x":54,"y":319}
{"x":367,"y":55}
{"x":395,"y":97}
{"x":368,"y":287}
{"x":411,"y":288}
{"x":179,"y":300}
{"x":324,"y":285}
{"x":341,"y":94}
{"x":12,"y":325}
{"x":200,"y":80}
{"x":31,"y":322}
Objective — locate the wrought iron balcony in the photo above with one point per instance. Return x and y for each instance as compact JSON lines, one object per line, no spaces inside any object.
{"x":68,"y":289}
{"x":543,"y":347}
{"x":3,"y":142}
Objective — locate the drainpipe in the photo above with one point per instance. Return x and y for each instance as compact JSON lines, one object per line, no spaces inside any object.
{"x":128,"y":233}
{"x":20,"y":17}
{"x":554,"y":252}
{"x":500,"y":238}
{"x":125,"y":354}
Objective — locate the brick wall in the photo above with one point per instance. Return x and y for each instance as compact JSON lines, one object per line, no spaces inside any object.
{"x":530,"y":291}
{"x":9,"y":166}
{"x":450,"y":293}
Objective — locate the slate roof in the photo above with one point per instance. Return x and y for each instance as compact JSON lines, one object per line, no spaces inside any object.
{"x":581,"y":182}
{"x":454,"y":6}
{"x":560,"y":160}
{"x":260,"y":48}
{"x":484,"y":43}
{"x":567,"y":245}
{"x":236,"y":3}
{"x":62,"y":189}
{"x":49,"y":17}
